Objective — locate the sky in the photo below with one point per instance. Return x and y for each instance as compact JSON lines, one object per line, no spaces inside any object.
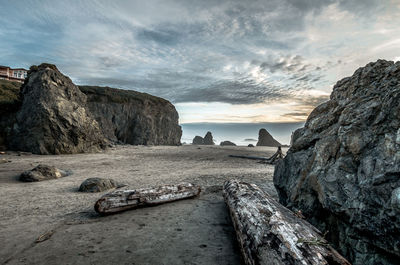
{"x":216,"y":61}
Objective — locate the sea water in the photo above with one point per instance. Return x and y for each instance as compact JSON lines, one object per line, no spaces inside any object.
{"x":239,"y":133}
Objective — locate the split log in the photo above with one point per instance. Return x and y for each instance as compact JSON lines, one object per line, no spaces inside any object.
{"x":122,"y":200}
{"x":269,"y":233}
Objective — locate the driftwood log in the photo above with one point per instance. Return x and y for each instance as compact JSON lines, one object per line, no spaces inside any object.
{"x":123,"y":200}
{"x":269,"y":160}
{"x":269,"y":233}
{"x":251,"y":157}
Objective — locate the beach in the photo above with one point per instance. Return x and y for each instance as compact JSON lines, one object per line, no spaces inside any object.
{"x":192,"y":231}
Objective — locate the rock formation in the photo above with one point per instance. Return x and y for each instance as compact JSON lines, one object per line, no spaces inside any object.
{"x":250,"y":145}
{"x":198,"y":140}
{"x":227,"y":143}
{"x":98,"y":185}
{"x":134,"y":118}
{"x":53,"y":118}
{"x":266,"y":139}
{"x":42,"y":172}
{"x":343,"y":168}
{"x":208,"y":139}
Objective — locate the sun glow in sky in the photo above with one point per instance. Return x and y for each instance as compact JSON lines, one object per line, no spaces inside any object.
{"x":217,"y":61}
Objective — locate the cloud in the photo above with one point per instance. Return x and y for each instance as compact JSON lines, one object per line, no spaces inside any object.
{"x":236,"y":52}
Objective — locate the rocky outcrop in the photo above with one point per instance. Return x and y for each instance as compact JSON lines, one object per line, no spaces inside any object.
{"x":50,"y":115}
{"x":42,"y":172}
{"x":9,"y":106}
{"x":131,"y":117}
{"x":198,"y":140}
{"x":227,"y":143}
{"x":208,"y":139}
{"x":266,"y":139}
{"x":52,"y":118}
{"x":343,"y":168}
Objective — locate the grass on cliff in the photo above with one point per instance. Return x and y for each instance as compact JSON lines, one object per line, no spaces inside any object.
{"x":9,"y":96}
{"x":99,"y":94}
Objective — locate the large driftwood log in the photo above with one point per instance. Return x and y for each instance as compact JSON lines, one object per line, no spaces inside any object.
{"x":251,"y":157}
{"x":122,"y":200}
{"x":269,"y":233}
{"x":269,"y":160}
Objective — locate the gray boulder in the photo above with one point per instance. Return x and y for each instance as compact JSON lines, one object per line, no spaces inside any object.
{"x":343,"y":167}
{"x":208,"y":139}
{"x":198,"y":140}
{"x":98,"y":185}
{"x":227,"y":143}
{"x":53,"y":118}
{"x":266,"y":139}
{"x":40,"y":173}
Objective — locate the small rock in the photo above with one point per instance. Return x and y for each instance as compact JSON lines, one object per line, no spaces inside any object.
{"x":250,"y":145}
{"x":227,"y":143}
{"x":98,"y":185}
{"x":42,"y":172}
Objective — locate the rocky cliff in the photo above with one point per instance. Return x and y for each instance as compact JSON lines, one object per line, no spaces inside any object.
{"x":50,"y":115}
{"x":53,"y":118}
{"x":134,"y":118}
{"x":343,"y":168}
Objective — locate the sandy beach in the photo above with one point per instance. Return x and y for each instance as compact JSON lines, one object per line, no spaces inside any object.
{"x":193,"y":231}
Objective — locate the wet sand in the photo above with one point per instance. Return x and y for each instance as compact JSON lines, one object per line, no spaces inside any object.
{"x":193,"y":231}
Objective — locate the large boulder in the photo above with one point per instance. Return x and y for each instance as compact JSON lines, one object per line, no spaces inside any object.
{"x":98,"y":185}
{"x":266,"y":139}
{"x":208,"y":139}
{"x":343,"y":168}
{"x":53,"y":118}
{"x":131,"y":117}
{"x":42,"y":172}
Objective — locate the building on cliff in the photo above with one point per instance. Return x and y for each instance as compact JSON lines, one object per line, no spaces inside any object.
{"x":17,"y":74}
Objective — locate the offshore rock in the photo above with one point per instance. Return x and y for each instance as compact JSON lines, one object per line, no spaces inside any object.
{"x":198,"y":140}
{"x":208,"y":139}
{"x":52,"y":118}
{"x":343,"y":167}
{"x":266,"y":139}
{"x":227,"y":143}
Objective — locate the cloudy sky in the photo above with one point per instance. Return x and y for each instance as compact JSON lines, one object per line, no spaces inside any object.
{"x":217,"y":61}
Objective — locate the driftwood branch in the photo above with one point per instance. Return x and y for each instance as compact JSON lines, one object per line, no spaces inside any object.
{"x":269,"y":233}
{"x":122,"y":200}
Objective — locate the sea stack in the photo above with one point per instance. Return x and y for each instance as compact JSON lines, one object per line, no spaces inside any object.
{"x":266,"y":139}
{"x":52,"y":118}
{"x":342,"y":169}
{"x":208,"y":139}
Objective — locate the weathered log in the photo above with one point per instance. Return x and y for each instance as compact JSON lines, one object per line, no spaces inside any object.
{"x":269,"y":233}
{"x":250,"y":157}
{"x":123,"y":200}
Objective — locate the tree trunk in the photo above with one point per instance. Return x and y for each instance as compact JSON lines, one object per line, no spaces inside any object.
{"x":269,"y":233}
{"x":122,"y":200}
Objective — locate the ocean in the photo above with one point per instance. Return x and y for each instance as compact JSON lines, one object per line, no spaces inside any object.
{"x":239,"y":133}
